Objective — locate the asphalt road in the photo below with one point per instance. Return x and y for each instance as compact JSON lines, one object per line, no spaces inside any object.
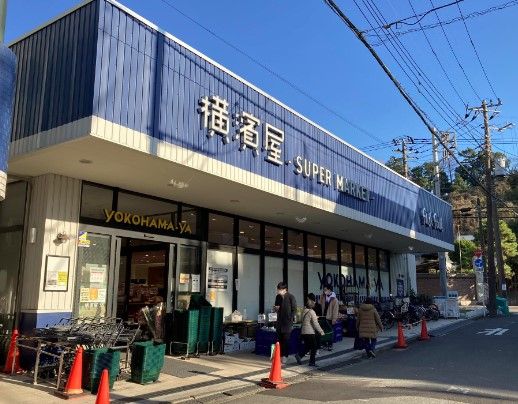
{"x":464,"y":365}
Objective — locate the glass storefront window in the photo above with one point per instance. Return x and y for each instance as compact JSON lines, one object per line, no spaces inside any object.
{"x":273,"y":239}
{"x":219,"y":281}
{"x":249,"y":234}
{"x":384,"y":284}
{"x":191,"y":217}
{"x":272,"y":276}
{"x":359,"y":255}
{"x":314,"y":246}
{"x":248,"y":293}
{"x":93,"y":265}
{"x":373,"y":283}
{"x":296,"y":280}
{"x":221,"y":229}
{"x":331,"y":247}
{"x":383,"y":257}
{"x":372,"y":259}
{"x":361,"y":282}
{"x":315,"y":270}
{"x":94,"y":199}
{"x":333,"y":278}
{"x":346,"y":251}
{"x":12,"y":213}
{"x":295,"y":243}
{"x":153,"y":208}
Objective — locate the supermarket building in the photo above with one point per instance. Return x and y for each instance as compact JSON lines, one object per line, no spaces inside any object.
{"x":142,"y":171}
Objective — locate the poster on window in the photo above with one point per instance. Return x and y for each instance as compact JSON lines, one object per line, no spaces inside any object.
{"x":56,"y":273}
{"x":220,"y":279}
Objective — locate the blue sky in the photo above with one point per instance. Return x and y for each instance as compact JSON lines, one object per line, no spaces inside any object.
{"x":304,"y":42}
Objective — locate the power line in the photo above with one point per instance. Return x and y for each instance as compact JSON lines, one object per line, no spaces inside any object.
{"x":448,"y":22}
{"x":333,"y":6}
{"x":414,"y":67}
{"x":418,"y":17}
{"x":476,"y":52}
{"x":273,"y":73}
{"x":435,"y":54}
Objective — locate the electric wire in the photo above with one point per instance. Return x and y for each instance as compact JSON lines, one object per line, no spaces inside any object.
{"x":332,"y":5}
{"x":437,"y":58}
{"x":274,"y":73}
{"x":446,"y":22}
{"x":476,"y":52}
{"x":414,"y":68}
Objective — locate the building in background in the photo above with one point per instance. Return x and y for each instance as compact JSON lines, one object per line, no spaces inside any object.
{"x":154,"y":172}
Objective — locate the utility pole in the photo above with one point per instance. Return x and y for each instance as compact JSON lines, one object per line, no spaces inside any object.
{"x":491,"y":275}
{"x":3,"y":15}
{"x":404,"y":150}
{"x":443,"y":275}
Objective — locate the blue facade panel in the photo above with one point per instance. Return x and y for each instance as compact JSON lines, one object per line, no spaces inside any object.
{"x":149,"y":83}
{"x":55,"y":73}
{"x":7,"y":80}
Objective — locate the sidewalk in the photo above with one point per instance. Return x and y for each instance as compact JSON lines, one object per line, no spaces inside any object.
{"x":210,"y":377}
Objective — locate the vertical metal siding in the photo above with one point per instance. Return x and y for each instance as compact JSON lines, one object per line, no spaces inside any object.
{"x":54,"y":208}
{"x":54,"y":73}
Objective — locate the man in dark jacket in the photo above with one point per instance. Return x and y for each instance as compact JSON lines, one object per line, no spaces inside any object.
{"x":285,"y":306}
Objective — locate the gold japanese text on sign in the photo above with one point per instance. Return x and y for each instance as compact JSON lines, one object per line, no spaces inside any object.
{"x":150,"y":222}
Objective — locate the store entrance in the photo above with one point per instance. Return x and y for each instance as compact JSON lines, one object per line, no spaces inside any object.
{"x":143,"y":275}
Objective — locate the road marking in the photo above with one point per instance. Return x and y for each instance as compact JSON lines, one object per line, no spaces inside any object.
{"x":494,"y":331}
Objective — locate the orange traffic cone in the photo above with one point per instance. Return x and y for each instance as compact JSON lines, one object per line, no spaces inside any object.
{"x":424,"y":331}
{"x":401,"y":342}
{"x":75,"y":379}
{"x":12,"y":362}
{"x":274,"y":381}
{"x":103,"y":392}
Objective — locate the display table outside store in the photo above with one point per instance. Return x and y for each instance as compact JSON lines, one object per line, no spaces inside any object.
{"x":266,"y":337}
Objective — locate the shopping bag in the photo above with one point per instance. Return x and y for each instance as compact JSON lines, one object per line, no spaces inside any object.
{"x":359,"y":343}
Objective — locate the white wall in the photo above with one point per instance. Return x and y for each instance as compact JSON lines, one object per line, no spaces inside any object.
{"x":402,"y":266}
{"x":54,"y":208}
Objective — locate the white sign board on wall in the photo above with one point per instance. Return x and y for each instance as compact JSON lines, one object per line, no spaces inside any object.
{"x":220,"y":280}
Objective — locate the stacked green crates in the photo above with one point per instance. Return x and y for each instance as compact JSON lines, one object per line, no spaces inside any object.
{"x":147,"y":360}
{"x":185,"y":335}
{"x":216,"y":328}
{"x":204,"y":328}
{"x":94,"y":362}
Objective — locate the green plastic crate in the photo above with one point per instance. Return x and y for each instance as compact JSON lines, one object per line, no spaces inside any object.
{"x":94,"y":362}
{"x":327,"y":338}
{"x":147,"y":360}
{"x":216,"y":328}
{"x":185,"y":331}
{"x":204,"y":328}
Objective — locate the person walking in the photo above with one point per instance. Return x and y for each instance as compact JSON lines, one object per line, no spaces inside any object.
{"x":329,"y":303}
{"x":318,"y":306}
{"x":368,"y":324}
{"x":308,"y":332}
{"x":285,"y":306}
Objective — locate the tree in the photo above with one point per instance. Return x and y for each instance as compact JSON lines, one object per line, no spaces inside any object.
{"x":396,"y":164}
{"x":509,"y":246}
{"x":459,"y":184}
{"x":474,"y":161}
{"x":467,"y":250}
{"x":424,"y":176}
